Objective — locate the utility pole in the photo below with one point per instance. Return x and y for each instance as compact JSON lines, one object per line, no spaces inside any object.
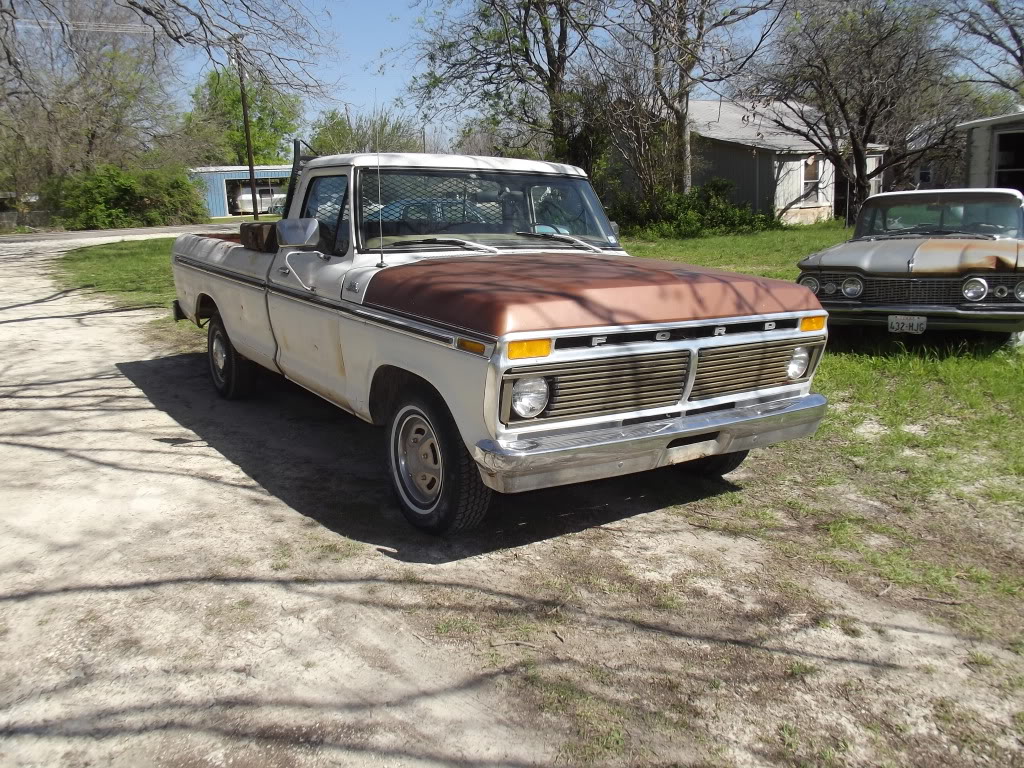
{"x":236,"y":40}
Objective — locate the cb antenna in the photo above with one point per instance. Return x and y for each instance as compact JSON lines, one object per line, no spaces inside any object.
{"x":380,"y":196}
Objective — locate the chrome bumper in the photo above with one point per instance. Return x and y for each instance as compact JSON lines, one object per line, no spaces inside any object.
{"x":939,"y":317}
{"x":542,"y":462}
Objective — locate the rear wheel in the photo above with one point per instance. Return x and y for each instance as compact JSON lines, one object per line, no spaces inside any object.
{"x":716,"y":465}
{"x":436,"y":481}
{"x":231,"y":373}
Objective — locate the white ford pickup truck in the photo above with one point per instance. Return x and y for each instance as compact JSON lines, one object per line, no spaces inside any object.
{"x":483,"y":311}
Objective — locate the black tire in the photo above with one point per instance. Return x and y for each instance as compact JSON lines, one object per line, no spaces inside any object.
{"x":438,"y":490}
{"x":717,"y":465}
{"x":232,"y":374}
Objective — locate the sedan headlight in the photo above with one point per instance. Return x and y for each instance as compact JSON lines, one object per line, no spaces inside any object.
{"x":529,"y":396}
{"x":798,"y":362}
{"x":975,"y":289}
{"x":853,"y":287}
{"x":810,"y":282}
{"x":1018,"y":291}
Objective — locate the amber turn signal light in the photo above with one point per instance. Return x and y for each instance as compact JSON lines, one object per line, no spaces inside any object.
{"x":529,"y":348}
{"x":468,"y":345}
{"x":813,"y":323}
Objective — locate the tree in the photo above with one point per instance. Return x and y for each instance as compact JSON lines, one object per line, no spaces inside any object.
{"x":847,"y":74}
{"x":94,"y":98}
{"x":273,"y":116}
{"x":672,"y":47}
{"x":509,"y":59}
{"x":993,"y":35}
{"x":336,"y":132}
{"x":277,"y":41}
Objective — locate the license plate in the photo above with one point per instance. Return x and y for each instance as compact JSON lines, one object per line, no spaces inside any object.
{"x":907,"y":323}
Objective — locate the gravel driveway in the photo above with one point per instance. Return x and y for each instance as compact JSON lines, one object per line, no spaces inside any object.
{"x":192,"y":582}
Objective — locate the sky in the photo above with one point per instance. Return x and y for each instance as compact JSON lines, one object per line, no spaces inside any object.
{"x":358,"y":32}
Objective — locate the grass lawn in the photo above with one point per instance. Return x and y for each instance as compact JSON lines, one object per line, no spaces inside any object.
{"x":914,"y":485}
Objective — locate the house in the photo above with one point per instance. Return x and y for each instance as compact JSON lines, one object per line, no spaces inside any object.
{"x":227,"y":186}
{"x":772,"y":170}
{"x":995,"y":151}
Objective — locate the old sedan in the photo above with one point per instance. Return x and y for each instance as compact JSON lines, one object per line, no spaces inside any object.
{"x":942,"y":259}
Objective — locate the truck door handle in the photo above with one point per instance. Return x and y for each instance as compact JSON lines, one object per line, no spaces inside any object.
{"x":284,"y":270}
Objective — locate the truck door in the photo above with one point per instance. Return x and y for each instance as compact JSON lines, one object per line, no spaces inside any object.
{"x":305,"y":291}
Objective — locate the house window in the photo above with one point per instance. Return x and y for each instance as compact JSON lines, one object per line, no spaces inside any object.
{"x":1009,"y":165}
{"x":812,"y":180}
{"x":924,"y":175}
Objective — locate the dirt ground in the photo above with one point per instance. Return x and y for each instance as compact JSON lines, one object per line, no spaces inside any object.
{"x":190,"y":582}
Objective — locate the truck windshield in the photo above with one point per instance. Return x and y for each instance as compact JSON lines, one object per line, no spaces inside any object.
{"x":983,"y":214}
{"x":484,"y":207}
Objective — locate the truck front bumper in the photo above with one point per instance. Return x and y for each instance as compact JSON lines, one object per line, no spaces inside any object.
{"x":542,"y":462}
{"x":939,"y":317}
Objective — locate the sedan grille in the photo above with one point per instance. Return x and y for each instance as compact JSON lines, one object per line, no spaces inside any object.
{"x":745,"y":367}
{"x":921,"y":290}
{"x":609,"y":385}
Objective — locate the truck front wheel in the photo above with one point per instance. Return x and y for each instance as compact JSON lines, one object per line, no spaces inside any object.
{"x":231,"y":373}
{"x":436,"y":481}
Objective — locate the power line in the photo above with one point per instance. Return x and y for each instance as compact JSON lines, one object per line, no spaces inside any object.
{"x":86,"y":26}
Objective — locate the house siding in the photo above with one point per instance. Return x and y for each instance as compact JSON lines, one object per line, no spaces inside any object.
{"x":789,"y":200}
{"x":749,"y":169}
{"x":981,"y":142}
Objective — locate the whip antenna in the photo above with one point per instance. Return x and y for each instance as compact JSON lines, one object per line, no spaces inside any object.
{"x":380,"y":196}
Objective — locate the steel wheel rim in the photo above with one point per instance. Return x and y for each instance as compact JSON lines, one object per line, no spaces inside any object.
{"x":418,"y":460}
{"x":218,"y":355}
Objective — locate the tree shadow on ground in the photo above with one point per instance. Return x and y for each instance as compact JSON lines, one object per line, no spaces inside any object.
{"x":329,"y":466}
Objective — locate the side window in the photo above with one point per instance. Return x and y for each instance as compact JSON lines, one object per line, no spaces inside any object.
{"x":327,"y":202}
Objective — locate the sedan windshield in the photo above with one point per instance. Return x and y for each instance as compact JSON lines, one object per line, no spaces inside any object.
{"x":971,"y":214}
{"x":399,"y":207}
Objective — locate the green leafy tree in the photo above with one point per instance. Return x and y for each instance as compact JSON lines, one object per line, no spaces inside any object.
{"x":273,"y":117}
{"x":111,"y":197}
{"x":336,"y":132}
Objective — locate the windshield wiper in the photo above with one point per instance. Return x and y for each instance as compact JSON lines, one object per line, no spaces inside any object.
{"x":563,"y":238}
{"x":468,"y":244}
{"x":984,"y":235}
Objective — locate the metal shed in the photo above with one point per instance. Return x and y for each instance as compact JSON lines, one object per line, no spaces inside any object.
{"x":223,"y":181}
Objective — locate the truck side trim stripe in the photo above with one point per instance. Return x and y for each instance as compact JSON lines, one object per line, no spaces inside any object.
{"x":407,"y":326}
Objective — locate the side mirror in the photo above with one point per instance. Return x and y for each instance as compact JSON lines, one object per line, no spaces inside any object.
{"x":298,"y":233}
{"x":615,"y":227}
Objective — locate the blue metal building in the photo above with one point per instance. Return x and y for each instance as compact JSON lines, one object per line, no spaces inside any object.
{"x":223,"y":182}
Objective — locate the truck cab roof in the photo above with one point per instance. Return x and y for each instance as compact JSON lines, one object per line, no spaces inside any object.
{"x":450,"y":162}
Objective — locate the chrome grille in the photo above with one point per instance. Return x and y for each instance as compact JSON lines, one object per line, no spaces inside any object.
{"x":744,"y":367}
{"x":609,"y":385}
{"x":920,"y":290}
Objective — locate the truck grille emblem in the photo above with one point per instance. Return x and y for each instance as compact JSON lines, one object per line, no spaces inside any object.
{"x":598,"y":341}
{"x":662,"y":336}
{"x":720,"y":330}
{"x":770,"y":325}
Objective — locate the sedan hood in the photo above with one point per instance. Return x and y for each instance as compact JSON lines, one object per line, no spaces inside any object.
{"x":914,"y":255}
{"x":550,"y":291}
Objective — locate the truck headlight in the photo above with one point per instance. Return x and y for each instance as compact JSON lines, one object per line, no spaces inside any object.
{"x":975,"y":289}
{"x":853,"y":287}
{"x":810,"y":282}
{"x":798,"y":362}
{"x":530,"y":396}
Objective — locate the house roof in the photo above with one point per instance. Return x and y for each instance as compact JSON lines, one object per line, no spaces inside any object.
{"x":728,"y":121}
{"x":1008,"y":118}
{"x":736,"y":123}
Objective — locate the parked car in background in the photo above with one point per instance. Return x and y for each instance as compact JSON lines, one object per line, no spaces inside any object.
{"x":936,"y":259}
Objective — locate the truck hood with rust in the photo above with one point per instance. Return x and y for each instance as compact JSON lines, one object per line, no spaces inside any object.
{"x":508,"y":293}
{"x":915,"y":255}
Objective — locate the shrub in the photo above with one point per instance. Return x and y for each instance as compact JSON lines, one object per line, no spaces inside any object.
{"x":110,"y":197}
{"x":702,"y":211}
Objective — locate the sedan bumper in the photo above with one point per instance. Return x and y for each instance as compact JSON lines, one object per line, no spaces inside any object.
{"x":542,"y":462}
{"x":939,"y":317}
